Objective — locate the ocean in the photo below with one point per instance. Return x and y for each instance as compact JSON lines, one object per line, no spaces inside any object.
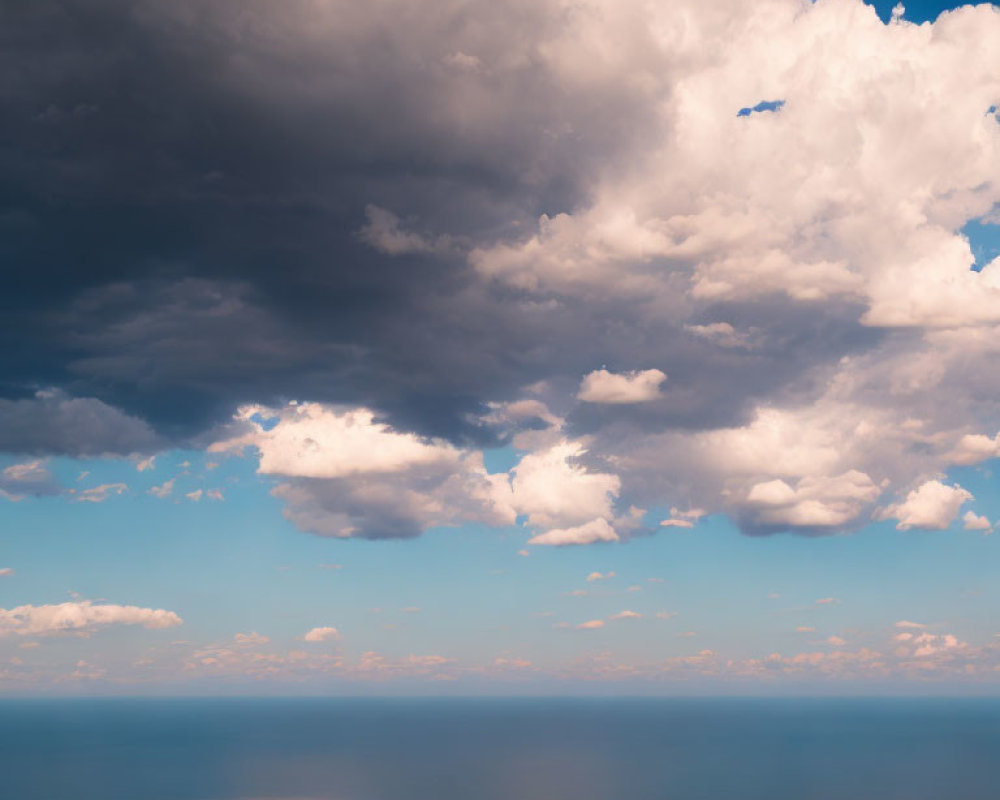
{"x":500,"y":749}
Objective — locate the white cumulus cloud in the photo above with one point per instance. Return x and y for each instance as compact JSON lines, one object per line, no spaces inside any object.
{"x":624,"y":388}
{"x":80,"y":618}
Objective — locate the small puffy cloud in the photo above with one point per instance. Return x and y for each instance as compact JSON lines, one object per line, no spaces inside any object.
{"x":146,"y":463}
{"x":253,"y":638}
{"x":195,"y":496}
{"x":626,"y":614}
{"x":905,"y":623}
{"x":971,"y":521}
{"x":721,"y":334}
{"x":165,"y":489}
{"x":385,"y":233}
{"x":348,"y":474}
{"x":683,"y":519}
{"x":600,"y":576}
{"x":524,"y":553}
{"x":835,"y":641}
{"x":805,"y":629}
{"x":6,"y":572}
{"x":624,"y":388}
{"x":30,"y":478}
{"x":827,"y":601}
{"x":214,"y":494}
{"x":98,"y":494}
{"x":80,"y":618}
{"x":925,"y":645}
{"x":813,"y":502}
{"x":931,"y":506}
{"x":324,"y":634}
{"x":309,"y":440}
{"x":975,"y":448}
{"x":554,"y":490}
{"x":591,"y":624}
{"x":597,"y":530}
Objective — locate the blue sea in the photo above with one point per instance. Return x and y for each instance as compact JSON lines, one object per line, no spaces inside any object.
{"x":500,"y":749}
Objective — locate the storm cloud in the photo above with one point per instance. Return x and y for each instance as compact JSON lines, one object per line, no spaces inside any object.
{"x":451,"y":217}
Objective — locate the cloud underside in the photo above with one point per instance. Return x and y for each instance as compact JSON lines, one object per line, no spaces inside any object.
{"x":539,"y":225}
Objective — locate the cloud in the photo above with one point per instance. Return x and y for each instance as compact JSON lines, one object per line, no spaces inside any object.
{"x":597,"y":530}
{"x":721,"y":334}
{"x":146,"y":463}
{"x":253,"y":639}
{"x":569,"y":502}
{"x":312,"y":441}
{"x":6,"y":572}
{"x":31,"y":478}
{"x":683,"y":519}
{"x":823,"y":503}
{"x":590,"y":625}
{"x":165,"y":489}
{"x":610,"y":388}
{"x":80,"y":618}
{"x":974,"y":448}
{"x":931,"y":506}
{"x":541,"y":196}
{"x":971,"y":521}
{"x":907,"y":624}
{"x":600,"y":576}
{"x":326,"y":634}
{"x":347,"y":474}
{"x":53,"y":423}
{"x":383,"y":232}
{"x":626,"y":614}
{"x":98,"y":494}
{"x":827,"y":601}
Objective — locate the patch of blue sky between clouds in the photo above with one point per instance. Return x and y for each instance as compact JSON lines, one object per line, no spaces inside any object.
{"x":763,"y":105}
{"x":917,"y":11}
{"x":984,"y":239}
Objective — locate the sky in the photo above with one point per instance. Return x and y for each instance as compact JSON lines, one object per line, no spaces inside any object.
{"x":470,"y":347}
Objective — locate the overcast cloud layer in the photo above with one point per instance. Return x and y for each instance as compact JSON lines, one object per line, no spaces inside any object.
{"x":695,"y":254}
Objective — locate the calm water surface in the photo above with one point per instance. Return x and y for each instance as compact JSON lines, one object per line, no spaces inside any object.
{"x":334,"y":749}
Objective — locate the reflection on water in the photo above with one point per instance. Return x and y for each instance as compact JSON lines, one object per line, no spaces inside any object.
{"x":329,"y":749}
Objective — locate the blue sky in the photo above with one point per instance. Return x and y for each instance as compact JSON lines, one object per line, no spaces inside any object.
{"x":517,"y":360}
{"x":466,"y":594}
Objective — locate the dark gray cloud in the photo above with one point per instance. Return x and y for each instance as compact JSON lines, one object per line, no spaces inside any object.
{"x":52,"y":423}
{"x":185,"y":186}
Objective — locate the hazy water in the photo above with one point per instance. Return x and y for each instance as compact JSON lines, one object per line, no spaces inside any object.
{"x":500,"y":749}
